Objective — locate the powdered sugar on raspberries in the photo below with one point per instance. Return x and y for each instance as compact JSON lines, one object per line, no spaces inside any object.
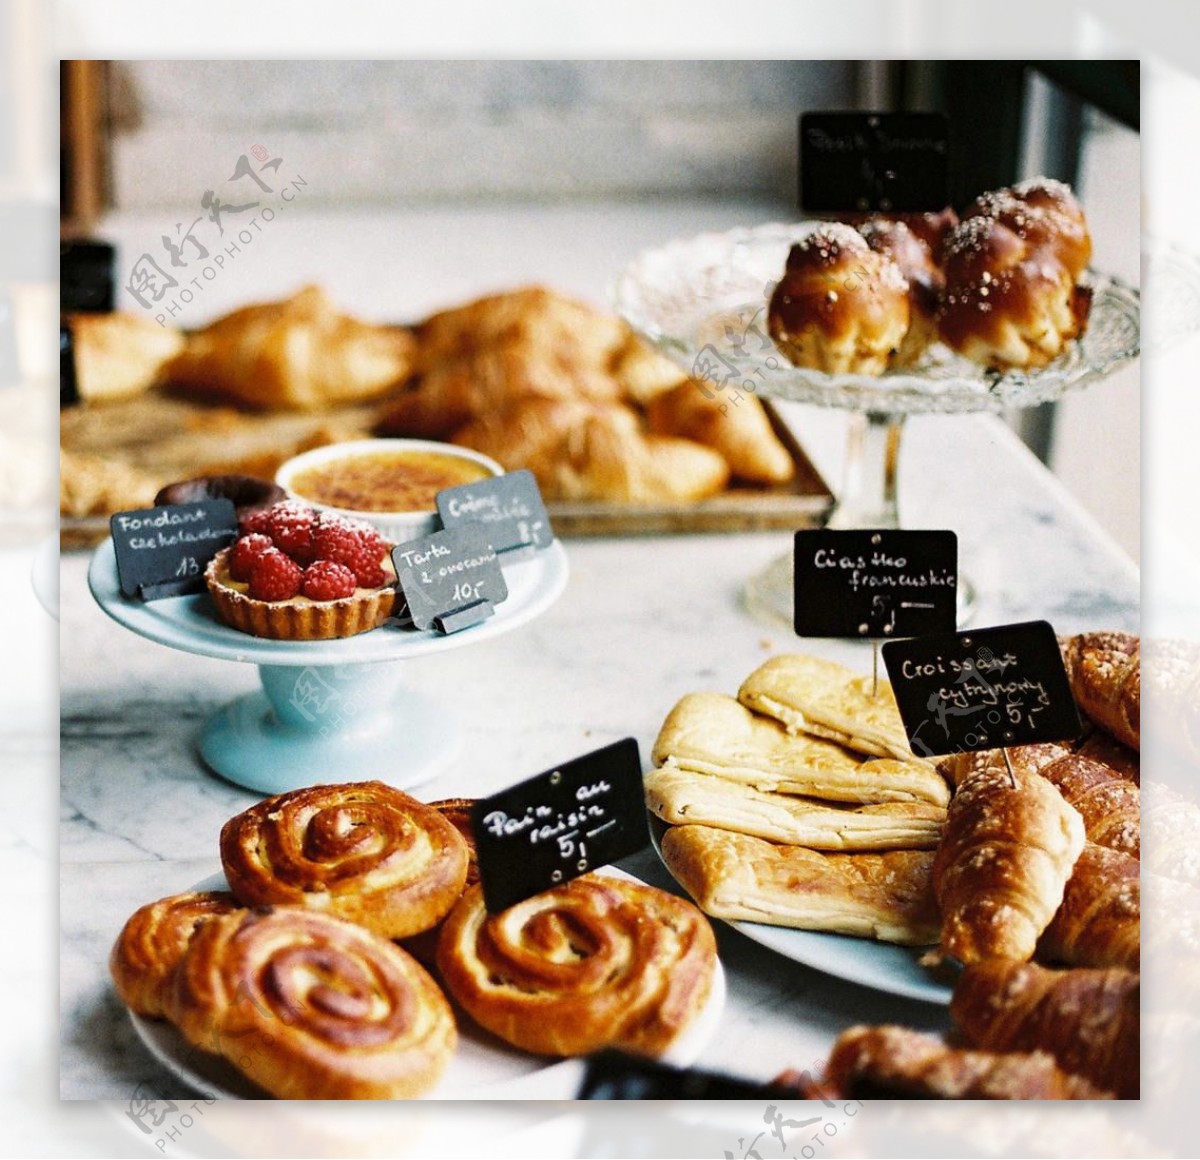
{"x":326,"y":580}
{"x":305,"y":538}
{"x":274,"y":576}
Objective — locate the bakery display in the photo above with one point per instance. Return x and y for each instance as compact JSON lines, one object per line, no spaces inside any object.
{"x":891,"y":1062}
{"x":363,"y":851}
{"x":840,"y":306}
{"x":297,"y":574}
{"x":887,"y":896}
{"x":597,"y":962}
{"x":1005,"y":857}
{"x":346,"y":1013}
{"x":152,"y":942}
{"x":300,"y":353}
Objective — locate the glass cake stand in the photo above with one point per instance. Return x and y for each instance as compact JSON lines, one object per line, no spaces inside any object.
{"x":702,"y":302}
{"x":328,"y":709}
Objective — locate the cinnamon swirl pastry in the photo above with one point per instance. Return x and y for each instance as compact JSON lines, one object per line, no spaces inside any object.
{"x":310,"y":1007}
{"x":363,"y":851}
{"x":152,"y":942}
{"x":598,"y":962}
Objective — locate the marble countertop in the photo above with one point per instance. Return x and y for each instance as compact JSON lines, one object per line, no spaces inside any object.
{"x":642,"y":621}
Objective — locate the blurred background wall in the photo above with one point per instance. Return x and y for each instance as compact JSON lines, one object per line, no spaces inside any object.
{"x":385,"y":134}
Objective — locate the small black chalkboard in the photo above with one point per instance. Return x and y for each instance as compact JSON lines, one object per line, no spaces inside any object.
{"x":560,"y":824}
{"x":509,"y":506}
{"x":875,"y":583}
{"x":163,"y":551}
{"x":449,"y":580}
{"x":863,"y":162}
{"x":982,"y":689}
{"x":615,"y":1075}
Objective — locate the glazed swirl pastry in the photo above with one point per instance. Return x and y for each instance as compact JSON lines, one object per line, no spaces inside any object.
{"x":152,"y":942}
{"x":598,"y":962}
{"x":345,"y":1014}
{"x":363,"y":851}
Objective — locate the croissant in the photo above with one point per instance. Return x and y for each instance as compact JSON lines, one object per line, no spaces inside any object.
{"x":1099,"y":921}
{"x":1110,"y":805}
{"x":892,"y":1062}
{"x":736,"y":426}
{"x":1088,"y":1019}
{"x":1106,"y":677}
{"x":1119,"y":758}
{"x":1023,"y":758}
{"x":1002,"y":865}
{"x":592,"y":451}
{"x":300,"y":353}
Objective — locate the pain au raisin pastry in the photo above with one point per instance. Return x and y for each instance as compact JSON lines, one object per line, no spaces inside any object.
{"x":346,"y":1013}
{"x":890,"y":1062}
{"x":598,"y":962}
{"x":812,"y":695}
{"x":1003,"y":863}
{"x":683,"y":798}
{"x":840,"y":307}
{"x":886,"y":896}
{"x":152,"y":942}
{"x":363,"y":851}
{"x":1089,"y":1020}
{"x":710,"y":733}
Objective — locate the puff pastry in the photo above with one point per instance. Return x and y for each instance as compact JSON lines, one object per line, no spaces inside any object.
{"x":812,"y":695}
{"x":311,"y":1007}
{"x":363,"y":851}
{"x":1003,"y":863}
{"x":119,"y":355}
{"x":1105,"y":669}
{"x":887,"y":896}
{"x":152,"y":942}
{"x":715,"y":734}
{"x":1099,"y":921}
{"x":681,"y":798}
{"x":598,"y":962}
{"x":300,"y":353}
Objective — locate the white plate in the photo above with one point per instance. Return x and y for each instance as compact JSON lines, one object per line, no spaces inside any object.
{"x":879,"y":965}
{"x":483,"y":1067}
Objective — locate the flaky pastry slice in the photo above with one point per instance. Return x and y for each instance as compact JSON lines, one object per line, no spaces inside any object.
{"x":887,"y":896}
{"x":715,"y":734}
{"x":825,"y":699}
{"x":681,"y":797}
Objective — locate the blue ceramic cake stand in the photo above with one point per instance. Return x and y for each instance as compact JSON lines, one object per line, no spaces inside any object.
{"x":329,"y":710}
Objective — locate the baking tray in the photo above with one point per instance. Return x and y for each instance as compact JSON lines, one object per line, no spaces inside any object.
{"x":804,"y":502}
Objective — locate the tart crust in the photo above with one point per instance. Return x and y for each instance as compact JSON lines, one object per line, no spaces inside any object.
{"x":299,"y":618}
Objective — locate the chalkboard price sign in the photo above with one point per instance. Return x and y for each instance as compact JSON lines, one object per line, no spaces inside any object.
{"x":450,"y":579}
{"x":163,"y":551}
{"x":863,"y":162}
{"x":982,"y":689}
{"x":875,"y":583}
{"x":509,"y":506}
{"x":560,"y":824}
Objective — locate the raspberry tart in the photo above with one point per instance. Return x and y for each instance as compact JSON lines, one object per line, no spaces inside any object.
{"x":298,"y":574}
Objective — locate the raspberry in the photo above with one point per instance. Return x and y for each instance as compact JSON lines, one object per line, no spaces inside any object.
{"x":245,"y":552}
{"x":356,"y":545}
{"x":274,"y":577}
{"x":291,"y":528}
{"x":256,"y":523}
{"x":325,"y":580}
